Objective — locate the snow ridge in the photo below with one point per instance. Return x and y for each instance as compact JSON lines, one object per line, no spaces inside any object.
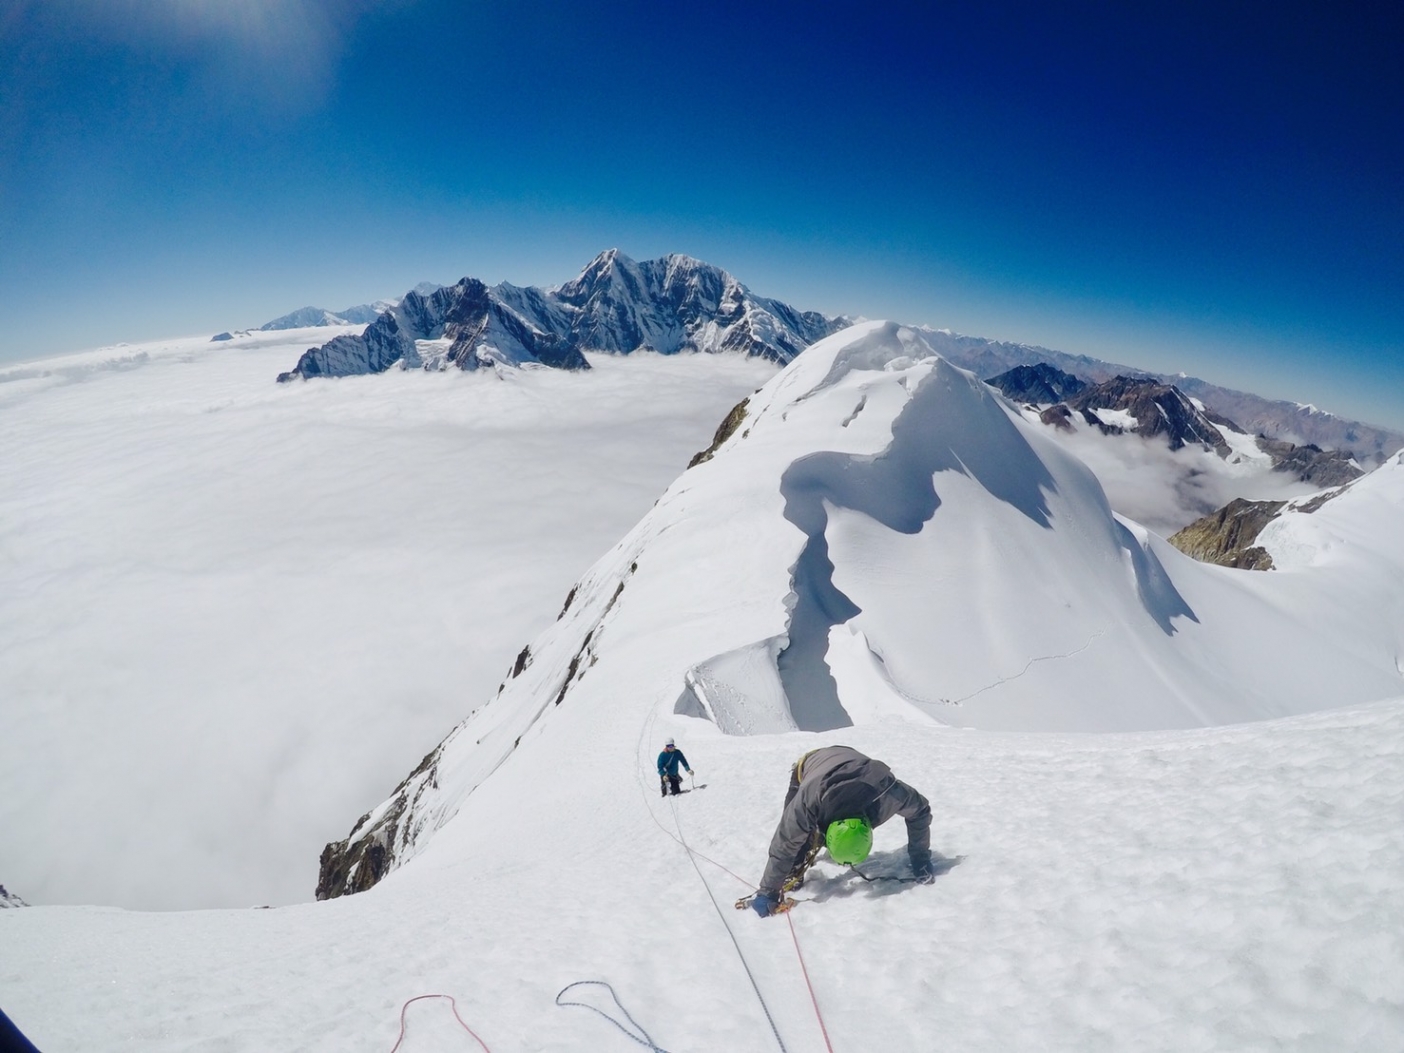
{"x":879,"y":535}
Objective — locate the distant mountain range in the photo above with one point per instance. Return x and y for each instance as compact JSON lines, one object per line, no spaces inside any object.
{"x":1150,"y":408}
{"x":677,"y":303}
{"x":310,"y":317}
{"x":1272,"y":418}
{"x":616,"y":305}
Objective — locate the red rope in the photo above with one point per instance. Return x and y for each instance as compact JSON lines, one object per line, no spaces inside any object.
{"x":452,"y":1005}
{"x":795,"y":936}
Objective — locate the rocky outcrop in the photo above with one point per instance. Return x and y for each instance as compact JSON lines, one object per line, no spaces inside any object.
{"x":1058,"y":416}
{"x":1038,"y":385}
{"x":1310,"y":463}
{"x":1226,"y":537}
{"x":1157,"y":410}
{"x":367,"y":854}
{"x":9,"y":899}
{"x":725,"y":430}
{"x":1161,"y":409}
{"x":614,"y":305}
{"x":540,"y":679}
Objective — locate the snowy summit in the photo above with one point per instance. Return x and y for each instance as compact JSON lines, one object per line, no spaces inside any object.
{"x":614,"y":305}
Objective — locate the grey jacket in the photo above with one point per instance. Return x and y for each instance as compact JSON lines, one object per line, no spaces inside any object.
{"x":834,"y":783}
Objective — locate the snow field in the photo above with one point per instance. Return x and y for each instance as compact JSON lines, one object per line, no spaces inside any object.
{"x":1227,"y":889}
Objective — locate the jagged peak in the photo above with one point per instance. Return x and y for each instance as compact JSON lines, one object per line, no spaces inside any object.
{"x":601,"y":269}
{"x":614,"y":305}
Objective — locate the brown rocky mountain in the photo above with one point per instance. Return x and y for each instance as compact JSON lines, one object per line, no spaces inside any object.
{"x":1227,"y":537}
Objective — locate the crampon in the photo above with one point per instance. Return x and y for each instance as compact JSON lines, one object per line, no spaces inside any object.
{"x":786,"y":903}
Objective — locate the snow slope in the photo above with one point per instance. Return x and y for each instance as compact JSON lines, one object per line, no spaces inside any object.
{"x":887,"y":538}
{"x":234,"y":613}
{"x":1207,"y":888}
{"x":1227,"y":889}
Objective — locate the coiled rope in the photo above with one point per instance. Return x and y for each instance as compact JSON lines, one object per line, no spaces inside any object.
{"x":642,"y":1038}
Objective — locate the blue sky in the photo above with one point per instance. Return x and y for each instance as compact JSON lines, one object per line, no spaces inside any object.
{"x":1213,"y":188}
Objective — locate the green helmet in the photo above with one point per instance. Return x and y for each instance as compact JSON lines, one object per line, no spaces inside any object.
{"x":849,"y":841}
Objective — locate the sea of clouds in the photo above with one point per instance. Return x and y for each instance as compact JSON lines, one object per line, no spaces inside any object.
{"x":236,"y":613}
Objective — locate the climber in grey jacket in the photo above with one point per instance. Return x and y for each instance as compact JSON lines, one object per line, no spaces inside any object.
{"x":836,"y":797}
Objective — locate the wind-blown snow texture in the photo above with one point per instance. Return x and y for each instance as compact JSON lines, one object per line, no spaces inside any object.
{"x":615,"y":304}
{"x":1219,"y":888}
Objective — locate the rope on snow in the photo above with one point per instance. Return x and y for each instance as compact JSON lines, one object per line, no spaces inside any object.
{"x":452,"y":1005}
{"x":642,"y":1038}
{"x":715,"y":906}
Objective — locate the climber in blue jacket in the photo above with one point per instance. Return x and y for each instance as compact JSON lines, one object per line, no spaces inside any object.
{"x":668,"y":761}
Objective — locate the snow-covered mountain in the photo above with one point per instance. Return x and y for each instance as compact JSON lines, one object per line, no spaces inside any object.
{"x":1163,"y":458}
{"x":614,"y":305}
{"x":883,"y":538}
{"x":1292,"y":422}
{"x":361,"y":314}
{"x":872,"y":512}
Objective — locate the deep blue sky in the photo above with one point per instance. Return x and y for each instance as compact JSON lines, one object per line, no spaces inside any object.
{"x":1217,"y":188}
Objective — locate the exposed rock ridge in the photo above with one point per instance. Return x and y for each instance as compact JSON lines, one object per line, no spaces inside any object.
{"x":725,"y":430}
{"x":1158,"y":409}
{"x":1226,"y":537}
{"x":1039,"y":384}
{"x":388,"y":835}
{"x":614,"y":305}
{"x":1310,"y":463}
{"x":9,"y":899}
{"x":1161,"y":409}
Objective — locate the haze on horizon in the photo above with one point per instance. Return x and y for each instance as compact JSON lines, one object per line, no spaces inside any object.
{"x":1202,"y":190}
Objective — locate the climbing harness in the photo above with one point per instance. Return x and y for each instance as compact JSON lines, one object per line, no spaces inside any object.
{"x":796,"y":878}
{"x":452,"y":1005}
{"x":642,"y":1038}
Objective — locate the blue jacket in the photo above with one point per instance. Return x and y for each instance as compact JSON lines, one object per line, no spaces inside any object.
{"x":669,"y":760}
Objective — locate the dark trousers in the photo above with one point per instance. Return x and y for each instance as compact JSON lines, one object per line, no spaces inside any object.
{"x":671,"y":784}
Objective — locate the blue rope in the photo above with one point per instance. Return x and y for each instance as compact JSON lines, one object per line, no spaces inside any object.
{"x":646,"y":1041}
